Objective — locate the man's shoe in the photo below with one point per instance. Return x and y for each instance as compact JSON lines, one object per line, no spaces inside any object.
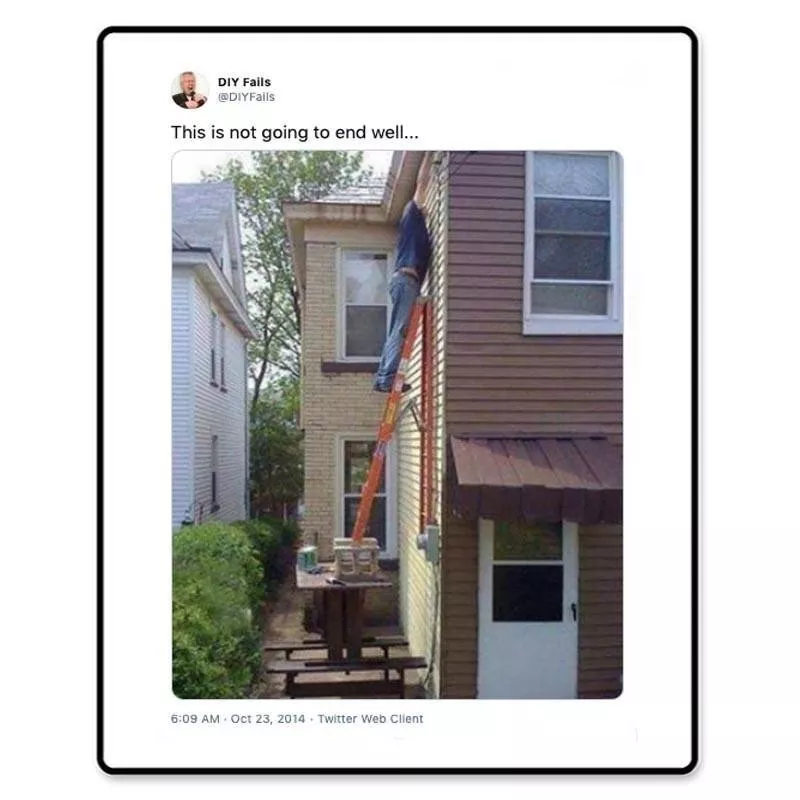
{"x":387,"y":389}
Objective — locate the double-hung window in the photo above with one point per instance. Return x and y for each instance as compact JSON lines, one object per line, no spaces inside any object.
{"x":364,"y":304}
{"x":573,"y":228}
{"x":355,"y":457}
{"x":528,"y":573}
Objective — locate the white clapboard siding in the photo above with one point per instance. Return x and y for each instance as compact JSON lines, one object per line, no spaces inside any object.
{"x":182,"y":427}
{"x":219,"y":413}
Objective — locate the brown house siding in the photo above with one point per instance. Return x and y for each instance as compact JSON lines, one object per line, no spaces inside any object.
{"x":501,"y":382}
{"x":498,"y":380}
{"x":459,"y":609}
{"x":600,"y":597}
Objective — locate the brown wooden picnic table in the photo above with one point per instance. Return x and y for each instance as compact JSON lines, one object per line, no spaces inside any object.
{"x":342,"y":605}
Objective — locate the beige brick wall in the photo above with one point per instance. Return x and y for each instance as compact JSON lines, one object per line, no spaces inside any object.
{"x":332,"y":404}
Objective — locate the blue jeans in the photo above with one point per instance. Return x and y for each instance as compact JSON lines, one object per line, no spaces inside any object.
{"x":403,"y":291}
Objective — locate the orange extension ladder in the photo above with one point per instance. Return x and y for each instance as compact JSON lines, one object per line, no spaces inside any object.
{"x":387,"y":425}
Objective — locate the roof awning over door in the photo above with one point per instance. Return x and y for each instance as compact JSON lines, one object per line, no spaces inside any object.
{"x":537,"y":479}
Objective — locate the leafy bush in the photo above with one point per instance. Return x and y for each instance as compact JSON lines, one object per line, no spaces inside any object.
{"x":217,"y":586}
{"x":275,"y":541}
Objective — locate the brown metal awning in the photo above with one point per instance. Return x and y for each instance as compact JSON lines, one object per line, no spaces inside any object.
{"x":537,"y":479}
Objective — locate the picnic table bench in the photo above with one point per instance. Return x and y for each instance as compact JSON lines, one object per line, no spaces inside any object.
{"x":385,"y":643}
{"x":386,"y":687}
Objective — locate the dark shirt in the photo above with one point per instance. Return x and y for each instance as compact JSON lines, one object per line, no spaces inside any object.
{"x":181,"y":99}
{"x":413,"y":242}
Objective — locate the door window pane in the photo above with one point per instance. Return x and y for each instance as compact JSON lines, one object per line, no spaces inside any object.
{"x":528,"y":593}
{"x":519,"y":541}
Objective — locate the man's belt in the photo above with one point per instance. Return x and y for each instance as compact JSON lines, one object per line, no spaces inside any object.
{"x":409,"y":271}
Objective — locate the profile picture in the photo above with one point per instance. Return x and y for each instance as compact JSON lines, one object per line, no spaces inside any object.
{"x":189,"y":90}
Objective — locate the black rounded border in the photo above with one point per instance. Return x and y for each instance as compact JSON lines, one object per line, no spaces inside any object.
{"x":678,"y":29}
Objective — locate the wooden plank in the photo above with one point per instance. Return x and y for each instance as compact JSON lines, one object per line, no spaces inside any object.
{"x":353,"y":610}
{"x":465,"y":183}
{"x":334,"y":624}
{"x":472,"y":281}
{"x":466,"y":210}
{"x":534,"y":372}
{"x":511,"y":205}
{"x":531,"y":428}
{"x":545,"y":386}
{"x":462,"y":159}
{"x":472,"y":346}
{"x":487,"y":265}
{"x":466,"y":170}
{"x":320,"y":581}
{"x":484,"y":246}
{"x":500,"y":225}
{"x":322,"y":666}
{"x":349,"y":689}
{"x":486,"y":414}
{"x":505,"y":190}
{"x":528,"y":398}
{"x":596,"y":640}
{"x":320,"y":644}
{"x":519,"y":402}
{"x":549,"y":359}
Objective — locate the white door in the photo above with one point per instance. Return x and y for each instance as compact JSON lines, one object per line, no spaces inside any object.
{"x":527,"y":610}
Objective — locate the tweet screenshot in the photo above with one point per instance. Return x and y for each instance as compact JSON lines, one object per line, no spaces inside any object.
{"x":398,"y":326}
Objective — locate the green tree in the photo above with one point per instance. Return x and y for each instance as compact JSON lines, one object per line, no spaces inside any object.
{"x":276,"y":455}
{"x":263,"y":181}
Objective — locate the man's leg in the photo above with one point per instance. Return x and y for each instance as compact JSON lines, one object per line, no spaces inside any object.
{"x":403,"y":292}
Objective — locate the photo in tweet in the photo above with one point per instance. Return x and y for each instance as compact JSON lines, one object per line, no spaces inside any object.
{"x":435,"y":510}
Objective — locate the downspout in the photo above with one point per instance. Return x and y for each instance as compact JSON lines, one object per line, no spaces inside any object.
{"x":429,"y":432}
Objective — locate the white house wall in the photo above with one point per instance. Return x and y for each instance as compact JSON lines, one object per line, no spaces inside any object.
{"x":182,"y":439}
{"x":219,"y":413}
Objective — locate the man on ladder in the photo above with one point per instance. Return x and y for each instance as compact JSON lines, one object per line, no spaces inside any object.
{"x":412,"y":255}
{"x":411,"y":264}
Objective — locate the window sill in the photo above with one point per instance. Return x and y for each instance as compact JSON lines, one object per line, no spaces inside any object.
{"x":348,"y":367}
{"x":539,"y":326}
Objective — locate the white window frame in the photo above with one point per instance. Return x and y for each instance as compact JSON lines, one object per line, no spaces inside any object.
{"x":391,"y":489}
{"x":576,"y":324}
{"x":341,"y":305}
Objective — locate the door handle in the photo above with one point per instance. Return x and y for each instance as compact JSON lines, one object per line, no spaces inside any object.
{"x":574,"y":607}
